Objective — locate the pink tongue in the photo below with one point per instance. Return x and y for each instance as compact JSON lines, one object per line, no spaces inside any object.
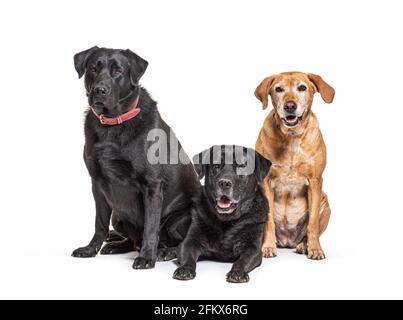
{"x":223,"y":204}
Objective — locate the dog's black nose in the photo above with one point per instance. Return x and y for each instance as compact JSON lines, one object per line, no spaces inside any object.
{"x":100,"y":91}
{"x":224,"y":184}
{"x":290,"y":106}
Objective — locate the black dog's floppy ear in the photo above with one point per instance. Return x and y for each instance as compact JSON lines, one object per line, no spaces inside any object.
{"x":262,"y":167}
{"x":80,"y":60}
{"x":137,"y":66}
{"x":200,"y":162}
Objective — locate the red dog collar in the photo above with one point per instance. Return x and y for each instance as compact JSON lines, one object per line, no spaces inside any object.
{"x":134,"y":111}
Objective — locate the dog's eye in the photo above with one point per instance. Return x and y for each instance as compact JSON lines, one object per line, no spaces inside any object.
{"x":301,"y":88}
{"x":279,"y":89}
{"x":116,"y":72}
{"x":93,"y":69}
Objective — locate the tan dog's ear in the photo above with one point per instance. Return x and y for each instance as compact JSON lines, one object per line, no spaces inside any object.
{"x":325,"y":90}
{"x":263,"y":89}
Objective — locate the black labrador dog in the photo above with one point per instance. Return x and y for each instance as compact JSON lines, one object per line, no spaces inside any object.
{"x":148,"y":198}
{"x":229,"y":219}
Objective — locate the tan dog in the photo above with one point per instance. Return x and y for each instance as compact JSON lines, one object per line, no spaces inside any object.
{"x":291,"y":139}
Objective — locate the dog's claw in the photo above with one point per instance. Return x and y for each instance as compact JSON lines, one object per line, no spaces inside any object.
{"x":184,"y":273}
{"x":143,"y":263}
{"x":237,"y":277}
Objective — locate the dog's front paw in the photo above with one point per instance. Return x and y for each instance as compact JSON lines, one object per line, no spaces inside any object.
{"x":143,"y":263}
{"x":85,"y":252}
{"x":237,"y":276}
{"x":184,"y":273}
{"x":316,"y":253}
{"x":269,"y":252}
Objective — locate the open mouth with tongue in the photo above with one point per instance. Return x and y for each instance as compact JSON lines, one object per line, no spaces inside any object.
{"x":291,"y":120}
{"x":225,"y":205}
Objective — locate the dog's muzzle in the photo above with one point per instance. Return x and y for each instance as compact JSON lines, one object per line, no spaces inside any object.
{"x":291,"y":120}
{"x":225,"y":204}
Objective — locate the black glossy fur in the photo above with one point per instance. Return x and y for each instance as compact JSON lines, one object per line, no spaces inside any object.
{"x":228,"y":235}
{"x":149,"y":204}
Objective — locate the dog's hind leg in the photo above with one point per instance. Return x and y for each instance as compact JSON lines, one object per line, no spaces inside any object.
{"x":302,"y":247}
{"x":174,"y":229}
{"x":120,"y":239}
{"x":325,"y":214}
{"x":172,"y":234}
{"x":118,"y":247}
{"x":114,"y":236}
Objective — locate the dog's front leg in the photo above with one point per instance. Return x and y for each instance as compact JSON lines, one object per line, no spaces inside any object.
{"x":189,"y":252}
{"x":315,"y":251}
{"x":102,"y":220}
{"x":250,"y":258}
{"x":152,"y":200}
{"x":269,"y":248}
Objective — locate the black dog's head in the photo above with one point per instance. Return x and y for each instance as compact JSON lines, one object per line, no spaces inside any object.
{"x":232,"y":174}
{"x":111,"y":77}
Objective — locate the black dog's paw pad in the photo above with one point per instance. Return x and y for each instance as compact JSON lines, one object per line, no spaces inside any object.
{"x":85,"y":252}
{"x":237,"y":277}
{"x":183,"y":273}
{"x":166,"y":254}
{"x":143,"y":263}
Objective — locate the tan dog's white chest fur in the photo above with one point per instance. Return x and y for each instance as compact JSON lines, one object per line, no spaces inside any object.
{"x":291,"y":139}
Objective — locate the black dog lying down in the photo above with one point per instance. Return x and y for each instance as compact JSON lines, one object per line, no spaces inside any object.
{"x":231,"y":213}
{"x":150,"y":201}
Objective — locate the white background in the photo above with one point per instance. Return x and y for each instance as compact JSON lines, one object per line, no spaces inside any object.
{"x":206,"y":58}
